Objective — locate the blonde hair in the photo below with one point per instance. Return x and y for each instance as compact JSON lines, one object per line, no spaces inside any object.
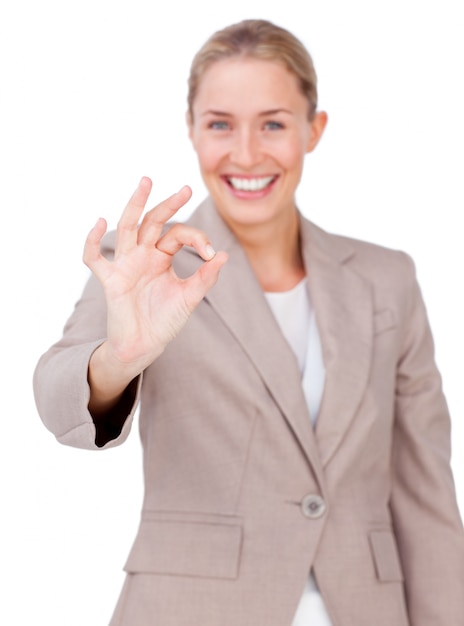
{"x":258,"y":39}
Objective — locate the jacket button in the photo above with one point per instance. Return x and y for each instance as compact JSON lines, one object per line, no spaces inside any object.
{"x":313,"y":506}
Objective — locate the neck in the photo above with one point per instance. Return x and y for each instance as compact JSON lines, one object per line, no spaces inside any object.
{"x":274,"y":252}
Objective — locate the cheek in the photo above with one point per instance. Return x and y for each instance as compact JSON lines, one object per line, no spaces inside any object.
{"x":209,"y":157}
{"x":292,"y":156}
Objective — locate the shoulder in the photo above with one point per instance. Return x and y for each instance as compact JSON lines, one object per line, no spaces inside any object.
{"x":376,"y":263}
{"x":374,"y":260}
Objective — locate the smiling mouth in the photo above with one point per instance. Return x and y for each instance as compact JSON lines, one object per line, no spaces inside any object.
{"x":250,"y":184}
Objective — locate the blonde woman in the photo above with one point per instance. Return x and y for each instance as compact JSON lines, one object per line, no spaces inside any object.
{"x":295,"y":435}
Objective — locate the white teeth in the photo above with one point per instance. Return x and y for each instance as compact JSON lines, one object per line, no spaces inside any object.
{"x":250,"y":184}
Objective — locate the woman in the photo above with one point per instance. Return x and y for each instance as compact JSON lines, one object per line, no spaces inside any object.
{"x":296,"y":439}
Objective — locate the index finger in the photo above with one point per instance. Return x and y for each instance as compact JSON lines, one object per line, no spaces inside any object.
{"x":126,"y":233}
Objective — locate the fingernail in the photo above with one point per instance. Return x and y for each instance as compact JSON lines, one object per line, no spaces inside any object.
{"x":210,"y":251}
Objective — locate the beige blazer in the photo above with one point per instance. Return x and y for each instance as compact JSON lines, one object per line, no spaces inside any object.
{"x":242,"y":497}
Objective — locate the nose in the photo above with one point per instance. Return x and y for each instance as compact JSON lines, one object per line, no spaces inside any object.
{"x":246,"y":149}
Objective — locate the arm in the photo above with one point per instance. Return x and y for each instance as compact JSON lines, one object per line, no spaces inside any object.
{"x":132,"y":308}
{"x":425,"y":513}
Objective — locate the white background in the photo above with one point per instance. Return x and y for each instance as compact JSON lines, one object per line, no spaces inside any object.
{"x":92,"y":97}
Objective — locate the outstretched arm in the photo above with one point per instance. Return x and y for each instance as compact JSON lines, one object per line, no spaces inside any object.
{"x":120,"y":327}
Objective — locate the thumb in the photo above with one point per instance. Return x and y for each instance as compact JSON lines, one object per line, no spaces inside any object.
{"x":198,"y":285}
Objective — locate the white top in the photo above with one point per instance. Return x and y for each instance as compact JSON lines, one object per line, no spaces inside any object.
{"x":293,"y":312}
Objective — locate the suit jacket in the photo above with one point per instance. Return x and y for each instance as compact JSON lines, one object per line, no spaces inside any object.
{"x":242,"y":496}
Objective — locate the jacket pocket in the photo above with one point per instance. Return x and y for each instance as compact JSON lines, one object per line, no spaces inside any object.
{"x":187,"y":548}
{"x":385,"y":555}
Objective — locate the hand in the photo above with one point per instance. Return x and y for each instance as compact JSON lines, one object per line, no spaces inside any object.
{"x":148,"y":304}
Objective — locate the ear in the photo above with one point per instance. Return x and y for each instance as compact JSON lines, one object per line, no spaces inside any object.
{"x":188,"y":119}
{"x":318,"y":124}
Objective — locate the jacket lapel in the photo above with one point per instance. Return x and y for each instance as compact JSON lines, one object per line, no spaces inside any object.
{"x":342,"y":302}
{"x":239,"y":301}
{"x":343,"y":305}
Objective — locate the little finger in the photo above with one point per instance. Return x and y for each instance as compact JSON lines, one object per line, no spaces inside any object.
{"x":92,"y":255}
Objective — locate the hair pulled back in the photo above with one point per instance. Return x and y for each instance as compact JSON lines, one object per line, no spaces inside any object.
{"x":258,"y":39}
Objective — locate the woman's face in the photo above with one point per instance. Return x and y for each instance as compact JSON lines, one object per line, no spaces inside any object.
{"x":251,"y":131}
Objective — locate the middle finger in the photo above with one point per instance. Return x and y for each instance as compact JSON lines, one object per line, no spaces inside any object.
{"x":154,"y":221}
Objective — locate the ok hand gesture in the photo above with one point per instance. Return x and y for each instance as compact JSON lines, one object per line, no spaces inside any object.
{"x":147,"y":302}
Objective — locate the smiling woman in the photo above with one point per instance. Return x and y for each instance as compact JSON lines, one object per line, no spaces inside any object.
{"x":252,"y":118}
{"x":296,"y":438}
{"x":251,"y":150}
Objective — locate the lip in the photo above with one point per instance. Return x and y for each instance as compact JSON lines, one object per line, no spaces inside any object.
{"x":248,"y":186}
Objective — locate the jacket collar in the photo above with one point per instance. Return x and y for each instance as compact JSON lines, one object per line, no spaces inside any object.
{"x":342,"y":304}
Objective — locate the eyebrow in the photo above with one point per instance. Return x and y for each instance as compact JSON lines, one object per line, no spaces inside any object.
{"x":275,"y":111}
{"x":219,"y":113}
{"x":262,"y":114}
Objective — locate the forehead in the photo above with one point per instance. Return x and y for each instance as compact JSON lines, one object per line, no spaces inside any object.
{"x":248,"y":84}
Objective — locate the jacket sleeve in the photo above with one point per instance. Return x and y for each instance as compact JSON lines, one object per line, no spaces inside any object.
{"x":424,"y":507}
{"x":60,"y":383}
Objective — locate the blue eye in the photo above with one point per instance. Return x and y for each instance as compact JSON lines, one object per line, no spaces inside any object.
{"x":273,"y":125}
{"x":219,"y":125}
